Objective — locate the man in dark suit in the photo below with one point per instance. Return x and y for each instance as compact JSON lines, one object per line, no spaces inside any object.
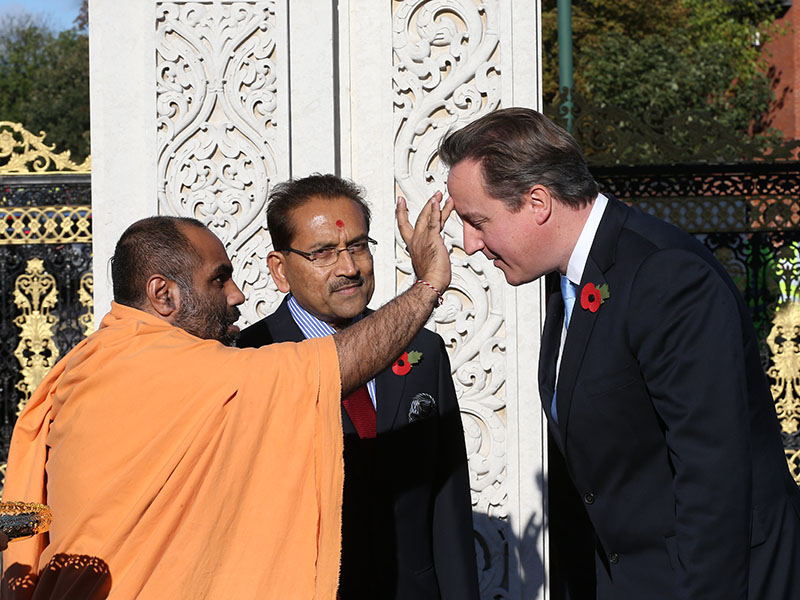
{"x":649,"y":374}
{"x":407,"y":520}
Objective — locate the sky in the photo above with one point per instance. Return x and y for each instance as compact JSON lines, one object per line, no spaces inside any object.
{"x":59,"y":13}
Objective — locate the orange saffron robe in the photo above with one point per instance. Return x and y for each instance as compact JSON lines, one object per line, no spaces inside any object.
{"x":177,"y":467}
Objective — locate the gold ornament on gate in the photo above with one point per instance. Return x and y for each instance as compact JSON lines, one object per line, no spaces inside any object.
{"x":784,"y":344}
{"x":23,"y":152}
{"x":35,"y":293}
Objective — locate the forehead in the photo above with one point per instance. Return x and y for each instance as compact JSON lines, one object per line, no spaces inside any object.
{"x":465,"y":186}
{"x":207,"y":245}
{"x":321,"y":218}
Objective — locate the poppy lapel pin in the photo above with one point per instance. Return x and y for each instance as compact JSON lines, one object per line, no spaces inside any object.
{"x":403,"y":365}
{"x":592,"y":296}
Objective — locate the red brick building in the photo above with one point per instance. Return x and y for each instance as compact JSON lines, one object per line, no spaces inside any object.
{"x":785,"y":61}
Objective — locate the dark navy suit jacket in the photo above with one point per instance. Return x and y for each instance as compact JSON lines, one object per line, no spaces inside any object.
{"x":667,"y":428}
{"x":407,"y":515}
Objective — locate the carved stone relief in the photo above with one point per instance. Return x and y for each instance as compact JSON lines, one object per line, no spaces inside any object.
{"x":446,"y":74}
{"x":218,"y":135}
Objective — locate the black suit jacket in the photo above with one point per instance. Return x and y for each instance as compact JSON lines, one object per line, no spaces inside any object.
{"x":666,"y":423}
{"x":407,"y":515}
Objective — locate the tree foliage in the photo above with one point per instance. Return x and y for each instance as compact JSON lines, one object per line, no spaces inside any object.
{"x":658,"y":58}
{"x":44,"y":82}
{"x":82,"y":20}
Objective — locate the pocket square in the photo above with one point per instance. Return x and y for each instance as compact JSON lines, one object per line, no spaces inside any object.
{"x":422,"y":407}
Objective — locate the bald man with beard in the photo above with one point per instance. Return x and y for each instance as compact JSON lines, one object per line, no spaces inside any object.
{"x":179,"y":467}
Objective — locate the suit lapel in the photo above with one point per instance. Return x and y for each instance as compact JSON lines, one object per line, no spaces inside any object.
{"x":389,"y":391}
{"x":282,"y":325}
{"x":551,"y":338}
{"x":601,"y":258}
{"x":578,"y":334}
{"x":388,"y":395}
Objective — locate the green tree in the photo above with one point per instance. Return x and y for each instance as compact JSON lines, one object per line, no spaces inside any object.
{"x":661,"y":58}
{"x":44,"y":82}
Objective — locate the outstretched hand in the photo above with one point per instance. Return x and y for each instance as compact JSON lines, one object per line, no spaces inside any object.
{"x":429,"y":256}
{"x":369,"y":346}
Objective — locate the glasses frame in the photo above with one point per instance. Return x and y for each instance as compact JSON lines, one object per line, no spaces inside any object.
{"x":309,"y":256}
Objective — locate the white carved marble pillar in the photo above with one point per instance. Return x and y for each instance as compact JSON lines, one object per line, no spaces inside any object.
{"x":411,"y":70}
{"x":199,"y":107}
{"x":223,"y":124}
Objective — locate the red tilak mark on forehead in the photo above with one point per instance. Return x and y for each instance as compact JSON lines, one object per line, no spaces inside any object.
{"x":340,"y":223}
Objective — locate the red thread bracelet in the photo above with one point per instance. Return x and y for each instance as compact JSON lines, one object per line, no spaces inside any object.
{"x":438,"y":293}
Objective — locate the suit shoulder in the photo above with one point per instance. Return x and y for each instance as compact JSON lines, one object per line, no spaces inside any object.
{"x":428,"y":339}
{"x":276,"y":327}
{"x":254,"y":335}
{"x":644,"y":234}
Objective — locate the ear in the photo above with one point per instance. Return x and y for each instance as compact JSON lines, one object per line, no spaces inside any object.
{"x":540,"y":201}
{"x":163,"y":296}
{"x":276,"y":261}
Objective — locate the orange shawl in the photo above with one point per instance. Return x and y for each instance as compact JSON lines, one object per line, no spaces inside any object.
{"x":180,"y":468}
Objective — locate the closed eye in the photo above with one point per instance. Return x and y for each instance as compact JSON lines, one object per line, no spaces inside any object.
{"x":322,"y":254}
{"x":358,"y":247}
{"x":477,"y":223}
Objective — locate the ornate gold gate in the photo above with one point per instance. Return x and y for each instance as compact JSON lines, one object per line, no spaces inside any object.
{"x":45,"y":264}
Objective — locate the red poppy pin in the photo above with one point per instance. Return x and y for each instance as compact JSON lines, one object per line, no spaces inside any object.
{"x":407,"y":359}
{"x":592,"y":297}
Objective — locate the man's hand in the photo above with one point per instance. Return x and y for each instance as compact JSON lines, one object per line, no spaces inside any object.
{"x":429,"y":256}
{"x":368,"y":347}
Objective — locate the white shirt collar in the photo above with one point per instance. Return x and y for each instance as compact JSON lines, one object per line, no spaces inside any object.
{"x":580,"y":254}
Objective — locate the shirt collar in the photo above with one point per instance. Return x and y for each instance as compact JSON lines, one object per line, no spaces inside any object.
{"x":309,"y":325}
{"x":312,"y":327}
{"x":580,"y":254}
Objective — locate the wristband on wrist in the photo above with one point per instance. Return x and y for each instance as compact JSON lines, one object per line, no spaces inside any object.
{"x":438,"y":293}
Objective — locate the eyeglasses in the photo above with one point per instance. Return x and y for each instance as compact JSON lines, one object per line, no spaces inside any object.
{"x":328,"y":256}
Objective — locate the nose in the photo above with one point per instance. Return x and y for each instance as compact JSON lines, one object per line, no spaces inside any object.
{"x":235,"y":295}
{"x":345,"y":265}
{"x":472,"y":239}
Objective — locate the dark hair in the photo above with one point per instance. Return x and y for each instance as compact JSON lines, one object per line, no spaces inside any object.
{"x":292,"y":194}
{"x":150,"y":246}
{"x":518,"y":148}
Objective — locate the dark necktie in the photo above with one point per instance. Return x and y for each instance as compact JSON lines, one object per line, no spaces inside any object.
{"x":568,"y":293}
{"x":362,"y":413}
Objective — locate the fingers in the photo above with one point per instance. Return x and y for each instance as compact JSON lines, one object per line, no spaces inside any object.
{"x":426,"y":248}
{"x":401,"y":213}
{"x":448,"y":207}
{"x":430,"y":217}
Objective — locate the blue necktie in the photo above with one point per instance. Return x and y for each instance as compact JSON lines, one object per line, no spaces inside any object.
{"x":568,"y":293}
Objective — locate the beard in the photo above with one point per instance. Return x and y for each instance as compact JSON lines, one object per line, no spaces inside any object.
{"x":206,"y":319}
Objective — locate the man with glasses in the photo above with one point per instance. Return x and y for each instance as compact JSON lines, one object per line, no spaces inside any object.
{"x":407,"y":522}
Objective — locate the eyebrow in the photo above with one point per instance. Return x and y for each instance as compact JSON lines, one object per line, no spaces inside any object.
{"x":222,"y":269}
{"x":471,"y":217}
{"x":322,"y":245}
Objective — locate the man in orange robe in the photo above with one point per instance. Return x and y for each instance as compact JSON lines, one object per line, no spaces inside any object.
{"x":178,"y":467}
